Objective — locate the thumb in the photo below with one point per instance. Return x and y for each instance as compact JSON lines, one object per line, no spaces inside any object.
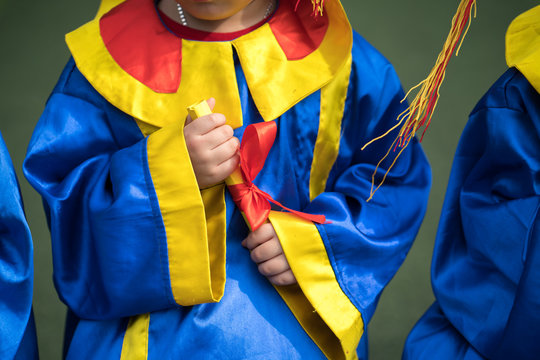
{"x":211,"y":103}
{"x":188,"y":120}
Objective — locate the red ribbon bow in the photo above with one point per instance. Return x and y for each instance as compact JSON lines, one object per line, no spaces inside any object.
{"x":252,"y":201}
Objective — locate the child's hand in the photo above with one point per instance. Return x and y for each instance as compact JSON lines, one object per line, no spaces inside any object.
{"x":212,"y":148}
{"x":266,"y":251}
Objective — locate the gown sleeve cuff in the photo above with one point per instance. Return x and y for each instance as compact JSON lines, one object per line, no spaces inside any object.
{"x":317,"y":301}
{"x":196,"y":264}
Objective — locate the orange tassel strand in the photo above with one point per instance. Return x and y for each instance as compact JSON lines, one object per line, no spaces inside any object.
{"x":420,"y":111}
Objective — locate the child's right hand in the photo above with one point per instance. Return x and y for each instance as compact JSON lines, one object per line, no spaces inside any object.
{"x":212,"y":148}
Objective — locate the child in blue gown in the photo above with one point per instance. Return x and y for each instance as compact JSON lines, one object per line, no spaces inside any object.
{"x":17,"y":329}
{"x":147,"y":244}
{"x":486,"y":262}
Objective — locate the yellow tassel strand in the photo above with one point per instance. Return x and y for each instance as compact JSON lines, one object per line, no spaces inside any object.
{"x":317,"y":7}
{"x":420,"y":110}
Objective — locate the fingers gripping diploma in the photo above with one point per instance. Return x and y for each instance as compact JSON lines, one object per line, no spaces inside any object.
{"x":212,"y":148}
{"x":266,"y":251}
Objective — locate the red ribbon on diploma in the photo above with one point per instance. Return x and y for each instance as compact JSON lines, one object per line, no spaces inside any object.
{"x":252,"y":201}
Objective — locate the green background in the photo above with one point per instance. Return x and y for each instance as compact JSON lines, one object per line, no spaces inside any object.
{"x":410,"y":34}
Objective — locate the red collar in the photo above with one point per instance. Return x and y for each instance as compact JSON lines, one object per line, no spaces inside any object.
{"x":143,"y":47}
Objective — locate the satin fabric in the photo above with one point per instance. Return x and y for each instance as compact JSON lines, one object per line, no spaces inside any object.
{"x":88,"y":161}
{"x":210,"y":63}
{"x":17,"y":330}
{"x":486,"y":270}
{"x":256,"y":204}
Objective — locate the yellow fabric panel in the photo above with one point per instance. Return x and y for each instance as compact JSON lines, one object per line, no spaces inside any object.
{"x":196,"y":265}
{"x":135,"y":345}
{"x":277,"y":84}
{"x":309,"y":262}
{"x":523,"y":45}
{"x":146,"y":128}
{"x":207,"y":71}
{"x":310,"y":320}
{"x":326,"y":150}
{"x":214,"y":207}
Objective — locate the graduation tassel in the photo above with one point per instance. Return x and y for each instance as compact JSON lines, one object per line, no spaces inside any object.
{"x":317,"y":6}
{"x":421,"y":108}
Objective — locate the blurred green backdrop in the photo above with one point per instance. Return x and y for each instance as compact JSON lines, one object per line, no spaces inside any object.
{"x":410,"y":34}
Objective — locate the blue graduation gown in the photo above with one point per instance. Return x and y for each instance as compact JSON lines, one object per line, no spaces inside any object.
{"x":17,"y":330}
{"x":486,"y":269}
{"x":112,"y":211}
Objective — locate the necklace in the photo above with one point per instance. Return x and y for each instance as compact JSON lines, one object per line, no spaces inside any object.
{"x":183,"y":21}
{"x":269,"y":9}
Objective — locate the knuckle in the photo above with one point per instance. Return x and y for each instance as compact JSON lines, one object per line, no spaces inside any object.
{"x":235,"y":161}
{"x":265,"y":227}
{"x":265,"y":268}
{"x":193,"y":142}
{"x":286,"y":278}
{"x":256,"y":239}
{"x":266,"y":231}
{"x":229,"y":166}
{"x":249,"y":242}
{"x":227,"y":131}
{"x":217,"y":119}
{"x":212,"y":172}
{"x":279,"y":280}
{"x":233,"y":145}
{"x":256,"y":255}
{"x":203,"y":157}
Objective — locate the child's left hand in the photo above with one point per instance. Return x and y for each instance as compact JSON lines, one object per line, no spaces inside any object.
{"x":266,"y":251}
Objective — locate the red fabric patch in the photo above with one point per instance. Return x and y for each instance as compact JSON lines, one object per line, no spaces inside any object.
{"x":299,"y":33}
{"x":142,"y":46}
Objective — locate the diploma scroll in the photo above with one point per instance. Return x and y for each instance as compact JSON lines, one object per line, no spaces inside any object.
{"x":256,"y":143}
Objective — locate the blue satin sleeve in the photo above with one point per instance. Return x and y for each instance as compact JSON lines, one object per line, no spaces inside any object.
{"x":17,"y":330}
{"x":88,"y":161}
{"x":486,"y":269}
{"x":366,"y":241}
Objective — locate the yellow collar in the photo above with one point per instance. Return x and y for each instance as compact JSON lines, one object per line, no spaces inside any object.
{"x":523,"y":45}
{"x":277,"y":76}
